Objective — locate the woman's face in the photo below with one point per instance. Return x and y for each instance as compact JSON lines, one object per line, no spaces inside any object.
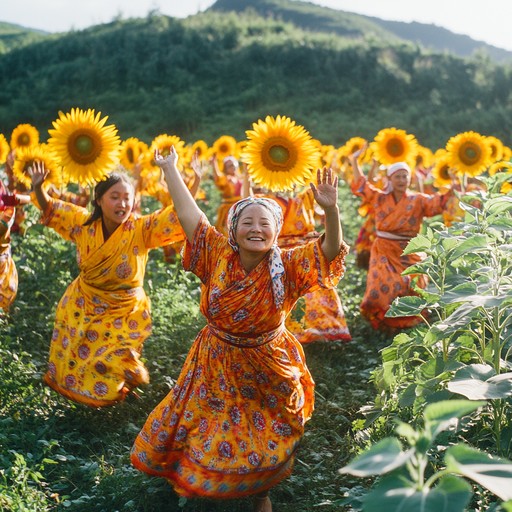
{"x":229,"y":168}
{"x":116,"y":203}
{"x":256,"y":229}
{"x":400,"y":180}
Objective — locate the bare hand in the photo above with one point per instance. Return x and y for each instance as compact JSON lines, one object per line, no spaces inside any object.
{"x":38,"y":173}
{"x":356,"y":154}
{"x":197,"y":166}
{"x":168,"y":161}
{"x":326,"y":190}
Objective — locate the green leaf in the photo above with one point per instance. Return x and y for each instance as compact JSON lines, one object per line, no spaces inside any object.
{"x":420,"y":243}
{"x":476,"y":243}
{"x":407,"y":306}
{"x":493,"y":473}
{"x":394,"y":493}
{"x":479,"y":382}
{"x":382,"y":457}
{"x":442,"y":415}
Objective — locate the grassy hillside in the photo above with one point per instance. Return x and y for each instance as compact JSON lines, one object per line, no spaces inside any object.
{"x":216,"y":73}
{"x":14,"y":36}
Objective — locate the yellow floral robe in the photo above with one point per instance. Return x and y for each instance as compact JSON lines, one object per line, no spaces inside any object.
{"x":103,"y":318}
{"x":232,"y":423}
{"x":323,"y":318}
{"x":8,"y":272}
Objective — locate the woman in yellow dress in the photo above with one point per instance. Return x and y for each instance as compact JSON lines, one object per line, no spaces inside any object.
{"x":8,"y":272}
{"x":103,"y":318}
{"x":232,"y":423}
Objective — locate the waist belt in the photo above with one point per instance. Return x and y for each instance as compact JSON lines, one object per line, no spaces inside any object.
{"x":248,"y":340}
{"x":392,"y":236}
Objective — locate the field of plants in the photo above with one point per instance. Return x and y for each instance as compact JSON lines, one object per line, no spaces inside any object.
{"x":58,"y":455}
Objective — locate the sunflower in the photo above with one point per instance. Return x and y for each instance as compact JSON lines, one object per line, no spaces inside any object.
{"x":279,"y":154}
{"x":424,"y":157}
{"x":24,"y":135}
{"x":496,"y":148}
{"x":441,"y":171}
{"x":201,"y":148}
{"x":163,"y":143}
{"x":393,"y":145}
{"x":4,"y":148}
{"x":502,"y":166}
{"x":87,"y":149}
{"x":25,"y":158}
{"x":224,"y":146}
{"x":470,"y":153}
{"x":132,"y":152}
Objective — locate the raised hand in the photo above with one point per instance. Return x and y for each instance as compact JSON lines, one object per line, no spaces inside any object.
{"x":326,"y":190}
{"x":38,"y":173}
{"x":166,"y":162}
{"x":197,"y":165}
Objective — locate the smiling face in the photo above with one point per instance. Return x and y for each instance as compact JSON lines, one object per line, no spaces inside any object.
{"x":256,"y":230}
{"x":116,"y":204}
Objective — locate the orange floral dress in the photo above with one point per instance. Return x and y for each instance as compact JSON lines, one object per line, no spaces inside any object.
{"x":103,"y":318}
{"x":323,"y":318}
{"x":8,"y":272}
{"x":232,"y":423}
{"x":396,"y":224}
{"x":230,"y":188}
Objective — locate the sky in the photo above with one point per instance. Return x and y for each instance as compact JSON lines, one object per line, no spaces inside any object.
{"x":487,"y":21}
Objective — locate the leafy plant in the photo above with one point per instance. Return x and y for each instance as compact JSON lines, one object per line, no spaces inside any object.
{"x":410,"y":479}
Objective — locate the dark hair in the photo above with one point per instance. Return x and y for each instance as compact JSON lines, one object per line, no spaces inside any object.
{"x":99,"y":190}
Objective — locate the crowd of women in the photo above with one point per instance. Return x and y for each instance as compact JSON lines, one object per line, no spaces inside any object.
{"x":232,"y":423}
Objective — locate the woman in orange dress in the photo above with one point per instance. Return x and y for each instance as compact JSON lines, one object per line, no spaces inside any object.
{"x":8,"y":272}
{"x":324,"y":318}
{"x":399,"y":213}
{"x":232,"y":423}
{"x":103,"y":318}
{"x":230,"y":183}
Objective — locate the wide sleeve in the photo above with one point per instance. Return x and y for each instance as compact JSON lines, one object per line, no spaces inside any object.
{"x":307,"y":268}
{"x":65,"y":218}
{"x":434,"y":204}
{"x":162,"y":228}
{"x":363,"y":189}
{"x":207,"y":247}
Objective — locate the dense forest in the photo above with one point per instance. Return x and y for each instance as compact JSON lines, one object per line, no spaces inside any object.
{"x":218,"y":72}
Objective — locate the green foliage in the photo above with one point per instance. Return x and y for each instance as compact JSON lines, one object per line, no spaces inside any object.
{"x":211,"y":74}
{"x":464,"y":347}
{"x":405,"y":484}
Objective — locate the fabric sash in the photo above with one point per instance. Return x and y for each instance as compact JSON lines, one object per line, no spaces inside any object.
{"x":391,"y":236}
{"x":248,"y":340}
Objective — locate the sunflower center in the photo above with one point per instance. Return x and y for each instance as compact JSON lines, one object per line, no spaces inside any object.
{"x":24,"y":139}
{"x":469,"y":153}
{"x":395,"y":147}
{"x":444,"y":172}
{"x":84,"y":146}
{"x":130,"y":155}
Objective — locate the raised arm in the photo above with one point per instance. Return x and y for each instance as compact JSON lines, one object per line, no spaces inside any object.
{"x":326,"y":195}
{"x":185,"y":205}
{"x":197,"y":167}
{"x":353,"y":159}
{"x":38,"y":174}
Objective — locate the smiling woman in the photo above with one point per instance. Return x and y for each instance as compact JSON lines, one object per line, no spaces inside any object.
{"x":232,"y":423}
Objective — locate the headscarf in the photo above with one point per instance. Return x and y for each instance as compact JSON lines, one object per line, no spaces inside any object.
{"x":276,"y":267}
{"x":231,"y":159}
{"x":398,"y":166}
{"x":394,"y":168}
